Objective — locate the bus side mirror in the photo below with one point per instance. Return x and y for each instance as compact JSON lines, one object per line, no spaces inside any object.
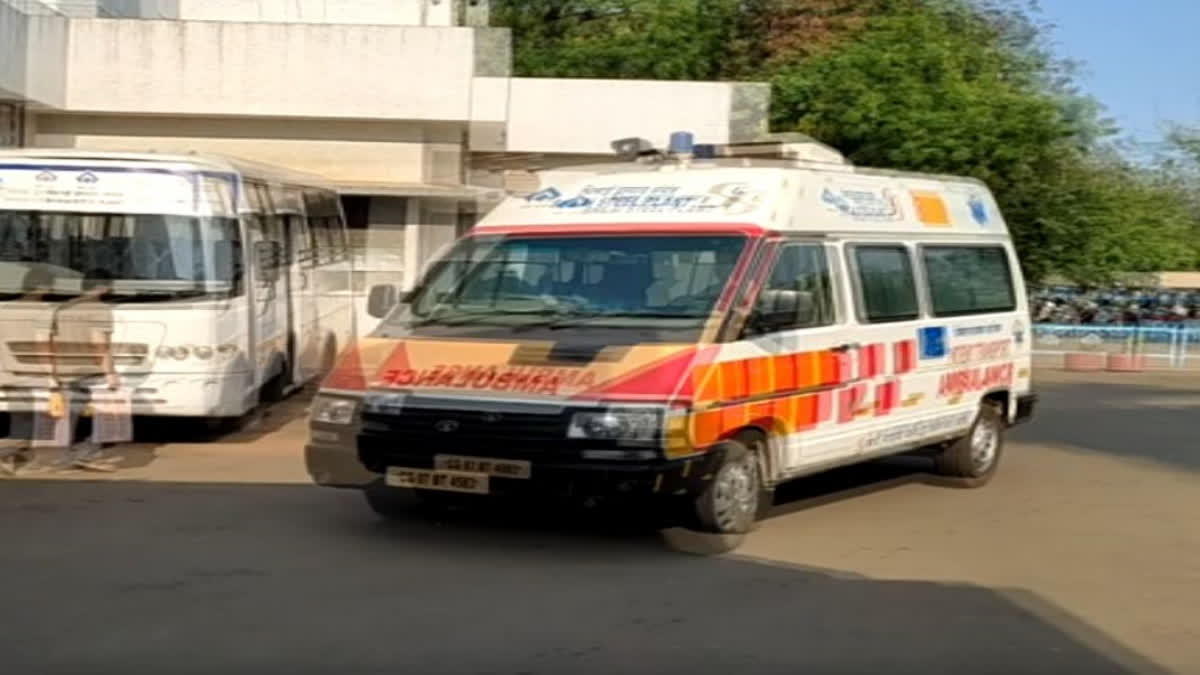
{"x":268,"y":257}
{"x":381,"y":300}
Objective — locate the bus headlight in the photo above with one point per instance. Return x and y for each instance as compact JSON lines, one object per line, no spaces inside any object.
{"x":639,"y":425}
{"x":224,"y":352}
{"x":330,"y":410}
{"x":177,"y":353}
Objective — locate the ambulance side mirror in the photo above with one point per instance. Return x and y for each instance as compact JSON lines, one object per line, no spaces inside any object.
{"x":778,"y":310}
{"x":381,"y":300}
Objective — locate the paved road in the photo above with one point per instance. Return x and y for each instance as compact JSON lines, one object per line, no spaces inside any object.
{"x":1081,"y":557}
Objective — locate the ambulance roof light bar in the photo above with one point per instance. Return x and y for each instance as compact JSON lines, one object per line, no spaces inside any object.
{"x":681,"y":146}
{"x":794,"y":150}
{"x":631,"y":149}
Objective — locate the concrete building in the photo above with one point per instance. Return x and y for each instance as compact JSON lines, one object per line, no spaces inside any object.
{"x":407,"y":106}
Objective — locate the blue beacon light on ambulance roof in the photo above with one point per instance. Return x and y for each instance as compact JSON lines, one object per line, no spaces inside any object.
{"x":681,"y":143}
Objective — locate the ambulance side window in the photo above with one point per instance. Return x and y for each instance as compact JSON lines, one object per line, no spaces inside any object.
{"x":887,"y":290}
{"x":797,"y":294}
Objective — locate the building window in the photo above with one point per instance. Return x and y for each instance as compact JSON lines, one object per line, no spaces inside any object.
{"x":968,"y":279}
{"x":887,"y":290}
{"x":357,"y":211}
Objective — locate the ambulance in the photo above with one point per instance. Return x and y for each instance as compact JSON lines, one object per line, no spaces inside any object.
{"x":700,"y":325}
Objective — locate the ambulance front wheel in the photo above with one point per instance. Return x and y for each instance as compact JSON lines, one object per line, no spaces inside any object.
{"x":388,"y":503}
{"x":973,"y":459}
{"x":735,"y":498}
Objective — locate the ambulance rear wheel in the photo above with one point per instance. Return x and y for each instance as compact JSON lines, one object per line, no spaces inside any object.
{"x":735,"y":497}
{"x":973,"y":459}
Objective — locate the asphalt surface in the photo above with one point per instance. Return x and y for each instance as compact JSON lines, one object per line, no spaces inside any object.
{"x":1081,"y":557}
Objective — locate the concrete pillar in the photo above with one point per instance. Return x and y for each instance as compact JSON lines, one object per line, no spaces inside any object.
{"x":432,"y":229}
{"x":383,"y":245}
{"x":13,"y":125}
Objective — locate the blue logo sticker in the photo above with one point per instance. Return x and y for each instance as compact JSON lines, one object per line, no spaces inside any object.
{"x":547,"y":195}
{"x":979,"y":210}
{"x":932,"y":342}
{"x":574,"y":203}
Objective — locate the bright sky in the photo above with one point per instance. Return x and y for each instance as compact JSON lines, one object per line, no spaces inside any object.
{"x":1141,"y":58}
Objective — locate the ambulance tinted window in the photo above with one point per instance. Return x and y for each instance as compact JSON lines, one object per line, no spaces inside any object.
{"x":968,"y":279}
{"x":887,"y":291}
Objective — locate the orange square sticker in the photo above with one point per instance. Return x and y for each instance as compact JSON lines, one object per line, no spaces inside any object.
{"x":931,"y":209}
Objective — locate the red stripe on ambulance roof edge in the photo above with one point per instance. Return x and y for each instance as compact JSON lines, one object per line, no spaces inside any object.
{"x":634,"y":229}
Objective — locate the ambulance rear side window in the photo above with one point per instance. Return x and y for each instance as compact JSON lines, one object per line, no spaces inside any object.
{"x":968,"y":279}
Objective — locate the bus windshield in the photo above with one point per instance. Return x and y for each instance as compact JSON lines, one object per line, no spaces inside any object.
{"x":646,"y":281}
{"x":146,"y":258}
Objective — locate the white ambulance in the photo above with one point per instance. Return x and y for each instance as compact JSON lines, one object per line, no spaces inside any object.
{"x":697,"y":325}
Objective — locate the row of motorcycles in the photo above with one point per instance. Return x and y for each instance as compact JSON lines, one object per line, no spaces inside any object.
{"x":1116,"y":307}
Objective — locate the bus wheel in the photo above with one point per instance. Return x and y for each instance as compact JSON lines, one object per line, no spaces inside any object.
{"x":328,"y":358}
{"x":272,"y":390}
{"x":735,"y":497}
{"x":219,"y":426}
{"x":974,"y":458}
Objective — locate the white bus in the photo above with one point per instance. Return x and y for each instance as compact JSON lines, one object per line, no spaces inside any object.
{"x":229,"y":280}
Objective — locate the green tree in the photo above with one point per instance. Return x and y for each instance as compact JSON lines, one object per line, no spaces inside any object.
{"x":965,"y":87}
{"x":634,"y":39}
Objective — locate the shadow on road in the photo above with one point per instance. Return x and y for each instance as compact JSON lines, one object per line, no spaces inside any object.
{"x":130,"y":577}
{"x":1149,"y":422}
{"x":257,"y":425}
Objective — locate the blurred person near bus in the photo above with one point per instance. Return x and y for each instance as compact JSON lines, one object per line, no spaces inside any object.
{"x":17,"y":447}
{"x":84,"y":326}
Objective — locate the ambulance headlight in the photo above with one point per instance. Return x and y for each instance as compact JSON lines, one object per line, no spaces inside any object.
{"x":638,"y":425}
{"x":332,"y":410}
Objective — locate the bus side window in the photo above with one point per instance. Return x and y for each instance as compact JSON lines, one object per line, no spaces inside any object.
{"x":315,"y":211}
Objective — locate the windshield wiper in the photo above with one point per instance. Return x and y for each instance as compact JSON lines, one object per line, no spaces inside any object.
{"x":484,"y":317}
{"x":575,"y":319}
{"x":155,"y":296}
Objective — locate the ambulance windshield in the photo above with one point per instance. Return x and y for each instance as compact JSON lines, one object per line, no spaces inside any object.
{"x":564,"y":281}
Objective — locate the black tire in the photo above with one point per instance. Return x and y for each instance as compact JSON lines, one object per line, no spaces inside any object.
{"x":973,"y":459}
{"x":328,"y":359}
{"x":735,"y":499}
{"x":272,"y":391}
{"x":388,"y":503}
{"x":215,"y":427}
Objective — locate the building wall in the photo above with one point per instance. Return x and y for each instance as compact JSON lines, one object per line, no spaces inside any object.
{"x":585,"y":116}
{"x":279,"y":70}
{"x":14,"y":33}
{"x":380,"y":12}
{"x":340,"y":150}
{"x":33,"y":50}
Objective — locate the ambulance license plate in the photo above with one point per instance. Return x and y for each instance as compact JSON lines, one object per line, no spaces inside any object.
{"x":497,"y":468}
{"x":448,"y":481}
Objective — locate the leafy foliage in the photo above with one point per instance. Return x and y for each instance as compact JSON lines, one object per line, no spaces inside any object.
{"x":965,"y":87}
{"x":643,"y":39}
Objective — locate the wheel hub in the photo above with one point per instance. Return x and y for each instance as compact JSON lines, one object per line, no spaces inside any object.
{"x":735,"y":494}
{"x":985,"y":440}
